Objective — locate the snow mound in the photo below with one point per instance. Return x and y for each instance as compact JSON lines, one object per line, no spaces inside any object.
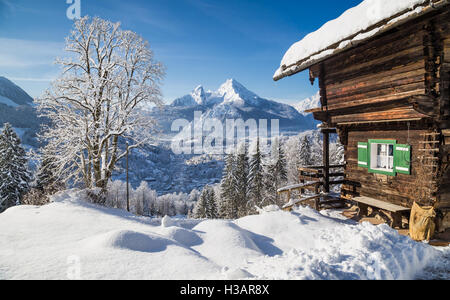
{"x":129,"y":240}
{"x":270,"y":208}
{"x":183,"y":236}
{"x":39,"y":242}
{"x":167,"y":222}
{"x":238,"y":274}
{"x":225,"y":243}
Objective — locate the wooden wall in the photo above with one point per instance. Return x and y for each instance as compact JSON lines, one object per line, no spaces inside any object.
{"x":401,"y":189}
{"x":387,"y":66}
{"x":443,"y":29}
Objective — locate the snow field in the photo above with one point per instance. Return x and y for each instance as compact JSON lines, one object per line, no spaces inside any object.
{"x":52,"y":241}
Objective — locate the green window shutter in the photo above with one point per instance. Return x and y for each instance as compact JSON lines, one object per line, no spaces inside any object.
{"x":363,"y":155}
{"x":402,"y":157}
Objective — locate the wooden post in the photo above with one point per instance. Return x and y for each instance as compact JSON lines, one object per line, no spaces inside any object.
{"x":128,"y":183}
{"x":302,"y":181}
{"x":326,"y":161}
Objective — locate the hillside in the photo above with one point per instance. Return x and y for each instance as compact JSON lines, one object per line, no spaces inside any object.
{"x":16,"y":108}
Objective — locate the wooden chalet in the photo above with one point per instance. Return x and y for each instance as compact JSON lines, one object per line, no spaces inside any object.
{"x":384,"y":90}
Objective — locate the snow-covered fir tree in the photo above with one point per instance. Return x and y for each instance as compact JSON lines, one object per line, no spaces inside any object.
{"x":255,"y":178}
{"x":275,"y":174}
{"x":228,"y":204}
{"x":212,"y":210}
{"x":241,"y":174}
{"x":305,"y":153}
{"x":206,"y":206}
{"x":14,"y":174}
{"x":94,"y":107}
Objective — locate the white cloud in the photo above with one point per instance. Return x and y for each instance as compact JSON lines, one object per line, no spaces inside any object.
{"x":32,"y":79}
{"x":27,"y":53}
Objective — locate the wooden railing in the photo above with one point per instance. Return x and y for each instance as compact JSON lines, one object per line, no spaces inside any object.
{"x":312,"y":178}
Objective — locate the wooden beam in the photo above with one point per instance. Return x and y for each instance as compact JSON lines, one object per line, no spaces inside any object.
{"x":398,"y":114}
{"x":375,"y":100}
{"x":326,"y":161}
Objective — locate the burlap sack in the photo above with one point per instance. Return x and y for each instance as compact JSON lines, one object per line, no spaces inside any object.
{"x":421,"y":224}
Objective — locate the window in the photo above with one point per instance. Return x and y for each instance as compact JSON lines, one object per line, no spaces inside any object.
{"x":382,"y":157}
{"x":385,"y":157}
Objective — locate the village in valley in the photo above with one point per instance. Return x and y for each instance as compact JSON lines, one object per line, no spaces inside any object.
{"x":107,"y":172}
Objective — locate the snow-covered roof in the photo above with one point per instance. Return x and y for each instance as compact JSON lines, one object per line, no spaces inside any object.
{"x":368,"y":19}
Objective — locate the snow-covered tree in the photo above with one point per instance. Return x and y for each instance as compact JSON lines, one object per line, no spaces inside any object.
{"x":206,"y":207}
{"x":201,"y":207}
{"x":240,"y":173}
{"x":117,"y":195}
{"x":45,"y":180}
{"x":140,"y":200}
{"x":337,"y":153}
{"x":94,"y":107}
{"x":255,"y":178}
{"x":275,"y":174}
{"x":212,"y":211}
{"x":228,"y":208}
{"x":305,"y":153}
{"x":14,"y":174}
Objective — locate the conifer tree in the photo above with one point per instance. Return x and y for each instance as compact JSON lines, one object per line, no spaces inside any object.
{"x":305,"y":153}
{"x":241,"y":181}
{"x":228,"y":204}
{"x":280,"y":165}
{"x":270,"y":185}
{"x":14,"y":174}
{"x":201,"y":207}
{"x":211,"y":210}
{"x":255,"y":179}
{"x":275,"y":175}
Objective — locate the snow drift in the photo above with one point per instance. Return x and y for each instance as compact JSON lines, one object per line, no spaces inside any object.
{"x":41,"y":242}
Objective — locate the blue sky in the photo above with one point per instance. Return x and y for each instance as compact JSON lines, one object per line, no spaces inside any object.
{"x":199,"y":41}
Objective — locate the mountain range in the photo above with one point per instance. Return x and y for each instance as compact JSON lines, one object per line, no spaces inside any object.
{"x":232,"y":101}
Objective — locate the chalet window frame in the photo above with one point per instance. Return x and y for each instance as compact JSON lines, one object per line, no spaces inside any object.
{"x":401,"y":159}
{"x":388,"y":172}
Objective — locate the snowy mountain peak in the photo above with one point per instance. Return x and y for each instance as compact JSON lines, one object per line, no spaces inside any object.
{"x":308,"y":103}
{"x":234,"y":92}
{"x":199,"y":95}
{"x":196,"y":97}
{"x":230,"y":92}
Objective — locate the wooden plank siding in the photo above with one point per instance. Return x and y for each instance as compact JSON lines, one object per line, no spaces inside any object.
{"x":400,"y":189}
